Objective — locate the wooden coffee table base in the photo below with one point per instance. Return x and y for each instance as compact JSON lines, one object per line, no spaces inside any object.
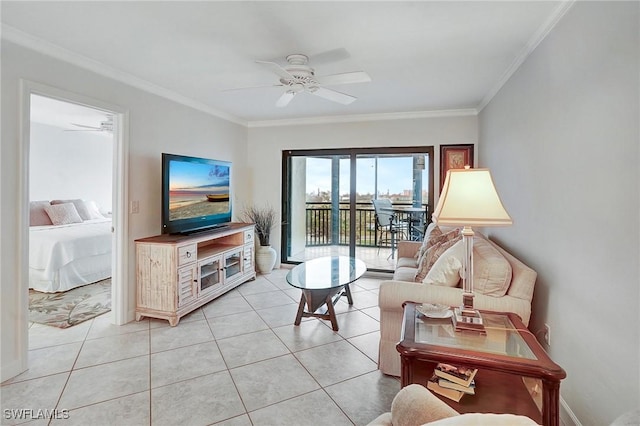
{"x":314,"y":299}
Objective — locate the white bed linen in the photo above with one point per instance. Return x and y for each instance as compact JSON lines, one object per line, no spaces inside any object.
{"x":67,"y":256}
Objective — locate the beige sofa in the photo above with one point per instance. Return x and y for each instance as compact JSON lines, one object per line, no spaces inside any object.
{"x":402,"y":288}
{"x":414,"y":405}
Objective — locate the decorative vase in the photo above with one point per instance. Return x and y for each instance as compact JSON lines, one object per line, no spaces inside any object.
{"x":265,"y":259}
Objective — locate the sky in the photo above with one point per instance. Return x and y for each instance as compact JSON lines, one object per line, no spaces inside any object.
{"x":187,"y":174}
{"x":395,"y":174}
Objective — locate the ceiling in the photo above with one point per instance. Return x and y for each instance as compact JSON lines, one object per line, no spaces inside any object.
{"x":67,"y":116}
{"x":422,"y":56}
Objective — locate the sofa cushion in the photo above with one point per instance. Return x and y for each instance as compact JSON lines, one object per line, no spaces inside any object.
{"x":446,"y":270}
{"x":491,"y":271}
{"x":407,"y":262}
{"x":404,"y":273}
{"x":433,"y":253}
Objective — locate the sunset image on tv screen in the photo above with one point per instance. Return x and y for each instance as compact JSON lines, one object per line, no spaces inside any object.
{"x":197,"y":189}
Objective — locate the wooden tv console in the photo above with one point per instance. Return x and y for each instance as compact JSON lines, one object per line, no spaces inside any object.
{"x":176,"y":274}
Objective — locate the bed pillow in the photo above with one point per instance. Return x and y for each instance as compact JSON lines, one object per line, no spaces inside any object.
{"x":63,"y":214}
{"x":37,"y":215}
{"x":79,"y":205}
{"x":93,"y":210}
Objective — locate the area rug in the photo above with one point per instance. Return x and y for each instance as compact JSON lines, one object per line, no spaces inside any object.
{"x":71,"y":307}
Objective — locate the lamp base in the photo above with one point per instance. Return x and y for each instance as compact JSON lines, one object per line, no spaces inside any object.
{"x":466,"y":319}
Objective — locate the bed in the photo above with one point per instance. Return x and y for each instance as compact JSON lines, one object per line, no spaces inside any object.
{"x":62,"y":257}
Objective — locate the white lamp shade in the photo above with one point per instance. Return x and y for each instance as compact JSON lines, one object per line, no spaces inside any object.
{"x":469,"y":197}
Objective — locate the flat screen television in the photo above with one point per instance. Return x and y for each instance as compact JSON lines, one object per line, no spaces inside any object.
{"x":196,"y":194}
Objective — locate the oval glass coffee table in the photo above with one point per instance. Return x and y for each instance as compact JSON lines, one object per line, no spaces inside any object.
{"x":323,"y":281}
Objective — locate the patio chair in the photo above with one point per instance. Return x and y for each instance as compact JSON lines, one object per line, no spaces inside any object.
{"x":387,"y":226}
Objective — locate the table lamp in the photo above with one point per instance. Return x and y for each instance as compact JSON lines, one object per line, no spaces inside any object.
{"x":469,"y":198}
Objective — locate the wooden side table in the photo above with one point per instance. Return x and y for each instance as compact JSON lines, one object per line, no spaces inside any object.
{"x":506,"y":353}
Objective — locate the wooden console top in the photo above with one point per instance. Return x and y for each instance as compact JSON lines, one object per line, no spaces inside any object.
{"x":231,"y":228}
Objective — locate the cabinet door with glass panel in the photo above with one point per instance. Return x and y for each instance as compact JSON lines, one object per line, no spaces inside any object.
{"x":210,"y":274}
{"x":233,"y":262}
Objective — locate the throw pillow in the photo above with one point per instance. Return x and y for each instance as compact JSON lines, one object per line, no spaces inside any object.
{"x":432,"y":231}
{"x":446,"y":270}
{"x":63,"y":214}
{"x":431,"y":256}
{"x":491,"y":271}
{"x":79,"y":205}
{"x":37,"y":215}
{"x":93,"y":210}
{"x":438,"y":237}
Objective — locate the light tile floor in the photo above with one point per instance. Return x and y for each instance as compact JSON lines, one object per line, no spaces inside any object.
{"x":238,"y":360}
{"x":373,"y":257}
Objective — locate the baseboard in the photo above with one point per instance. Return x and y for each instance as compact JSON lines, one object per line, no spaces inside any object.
{"x":567,"y":417}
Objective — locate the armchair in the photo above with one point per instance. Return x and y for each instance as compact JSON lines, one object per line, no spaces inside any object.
{"x":415,"y":405}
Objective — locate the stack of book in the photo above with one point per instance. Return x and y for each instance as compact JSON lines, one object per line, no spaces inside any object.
{"x":452,"y":381}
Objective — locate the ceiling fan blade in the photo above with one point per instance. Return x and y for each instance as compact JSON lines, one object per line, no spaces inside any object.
{"x":88,"y":127}
{"x":250,"y":87}
{"x":277,"y":69}
{"x":344,"y":78}
{"x":334,"y":55}
{"x":332,"y":95}
{"x":285,"y":98}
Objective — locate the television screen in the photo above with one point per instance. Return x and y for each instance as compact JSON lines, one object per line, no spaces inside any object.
{"x":196,"y":193}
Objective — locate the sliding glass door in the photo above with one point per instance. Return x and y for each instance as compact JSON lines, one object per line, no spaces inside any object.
{"x":328,"y":201}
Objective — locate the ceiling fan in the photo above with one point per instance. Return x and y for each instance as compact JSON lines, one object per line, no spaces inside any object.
{"x":298,"y":75}
{"x":105,"y":126}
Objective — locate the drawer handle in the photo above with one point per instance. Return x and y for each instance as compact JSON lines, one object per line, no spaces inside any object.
{"x":188,"y":254}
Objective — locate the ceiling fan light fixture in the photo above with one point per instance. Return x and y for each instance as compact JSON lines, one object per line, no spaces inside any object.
{"x":299,"y":75}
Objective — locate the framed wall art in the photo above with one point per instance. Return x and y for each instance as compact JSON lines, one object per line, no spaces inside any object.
{"x":454,"y":157}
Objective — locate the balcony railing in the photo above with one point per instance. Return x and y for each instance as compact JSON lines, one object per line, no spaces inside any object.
{"x":319,"y":224}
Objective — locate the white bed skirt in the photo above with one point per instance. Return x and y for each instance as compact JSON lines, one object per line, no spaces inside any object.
{"x":77,"y":273}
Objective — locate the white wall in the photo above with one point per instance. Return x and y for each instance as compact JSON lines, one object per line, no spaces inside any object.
{"x":156,"y":125}
{"x":266,"y":145}
{"x":68,"y":165}
{"x":561,"y":139}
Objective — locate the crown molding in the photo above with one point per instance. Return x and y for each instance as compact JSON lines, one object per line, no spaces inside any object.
{"x":42,"y":46}
{"x":531,"y":45}
{"x":332,"y":119}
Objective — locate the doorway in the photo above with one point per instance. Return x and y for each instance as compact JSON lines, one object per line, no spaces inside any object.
{"x":119,"y":292}
{"x":328,"y":201}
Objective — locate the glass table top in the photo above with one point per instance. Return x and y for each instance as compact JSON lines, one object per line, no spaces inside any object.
{"x":502,"y":337}
{"x":326,"y":272}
